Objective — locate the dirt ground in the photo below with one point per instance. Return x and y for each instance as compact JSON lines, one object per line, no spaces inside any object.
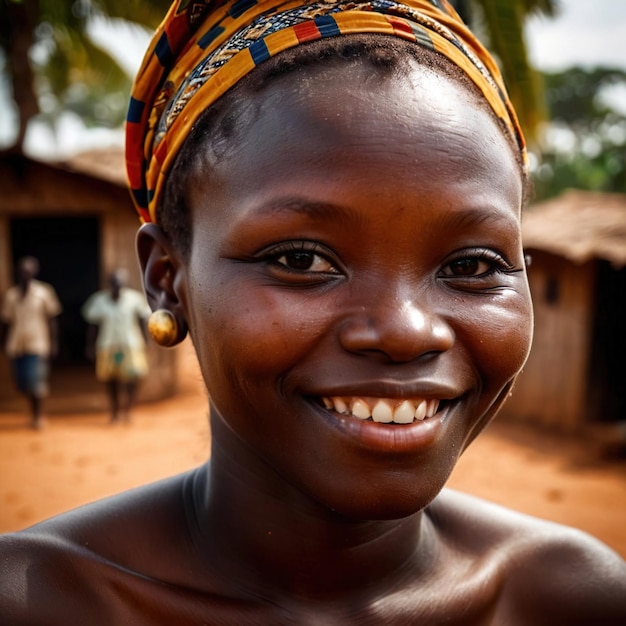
{"x":79,"y":458}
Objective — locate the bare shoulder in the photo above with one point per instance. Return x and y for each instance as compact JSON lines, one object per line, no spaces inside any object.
{"x":32,"y":564}
{"x":552,"y":574}
{"x":69,"y":568}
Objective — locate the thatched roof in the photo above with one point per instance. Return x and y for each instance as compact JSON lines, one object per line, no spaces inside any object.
{"x":92,"y":182}
{"x":106,"y":164}
{"x":579,"y":225}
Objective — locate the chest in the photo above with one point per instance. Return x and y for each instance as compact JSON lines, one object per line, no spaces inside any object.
{"x":137,"y":601}
{"x":29,"y":306}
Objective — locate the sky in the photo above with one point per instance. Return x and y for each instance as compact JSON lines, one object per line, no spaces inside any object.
{"x":585,"y":32}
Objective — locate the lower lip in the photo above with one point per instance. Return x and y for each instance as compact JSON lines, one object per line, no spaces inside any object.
{"x":398,"y":438}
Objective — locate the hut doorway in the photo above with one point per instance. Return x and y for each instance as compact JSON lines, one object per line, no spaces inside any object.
{"x":607,"y":376}
{"x":68,"y":251}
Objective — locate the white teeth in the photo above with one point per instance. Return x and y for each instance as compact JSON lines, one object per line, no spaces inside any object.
{"x":382,"y":412}
{"x":431,"y":407}
{"x":361,"y":410}
{"x":404,"y":413}
{"x":420,"y":410}
{"x":340,"y":406}
{"x":385,"y":410}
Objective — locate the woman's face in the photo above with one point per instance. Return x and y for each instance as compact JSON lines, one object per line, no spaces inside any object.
{"x":359,"y":253}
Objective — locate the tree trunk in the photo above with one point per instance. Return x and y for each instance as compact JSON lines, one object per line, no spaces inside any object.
{"x":23,"y":18}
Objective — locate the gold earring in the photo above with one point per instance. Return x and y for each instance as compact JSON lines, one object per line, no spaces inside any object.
{"x":163,"y":328}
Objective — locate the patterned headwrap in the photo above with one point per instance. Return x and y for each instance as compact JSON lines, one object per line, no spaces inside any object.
{"x":204,"y":47}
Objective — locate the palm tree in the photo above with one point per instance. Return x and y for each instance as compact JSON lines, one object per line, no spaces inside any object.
{"x":17,"y":27}
{"x":501,"y":25}
{"x":67,"y":57}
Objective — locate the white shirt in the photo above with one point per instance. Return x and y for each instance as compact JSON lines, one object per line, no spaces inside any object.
{"x":117,"y":319}
{"x":28,"y":316}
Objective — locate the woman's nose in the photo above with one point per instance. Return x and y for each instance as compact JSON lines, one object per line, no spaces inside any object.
{"x":402,"y":331}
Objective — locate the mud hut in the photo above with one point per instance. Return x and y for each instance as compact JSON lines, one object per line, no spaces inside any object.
{"x":76,"y":217}
{"x":575,"y":377}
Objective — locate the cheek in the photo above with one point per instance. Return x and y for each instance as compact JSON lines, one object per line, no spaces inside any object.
{"x":504,"y":332}
{"x":251,"y":333}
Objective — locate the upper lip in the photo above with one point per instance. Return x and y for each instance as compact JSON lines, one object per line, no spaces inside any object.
{"x":381,"y":389}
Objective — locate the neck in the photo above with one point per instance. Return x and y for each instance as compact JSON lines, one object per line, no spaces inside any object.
{"x":23,"y":285}
{"x":272,"y":539}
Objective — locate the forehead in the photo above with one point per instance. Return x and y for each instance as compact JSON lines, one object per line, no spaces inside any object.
{"x":419,"y":130}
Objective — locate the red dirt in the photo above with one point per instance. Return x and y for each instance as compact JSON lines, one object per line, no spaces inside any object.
{"x":79,"y":458}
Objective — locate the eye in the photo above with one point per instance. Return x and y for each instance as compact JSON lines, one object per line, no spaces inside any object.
{"x":475,"y":264}
{"x":301,"y":262}
{"x":467,"y":266}
{"x":305,"y":261}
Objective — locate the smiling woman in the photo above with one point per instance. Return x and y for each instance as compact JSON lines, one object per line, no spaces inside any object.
{"x":332,"y":197}
{"x":307,"y":251}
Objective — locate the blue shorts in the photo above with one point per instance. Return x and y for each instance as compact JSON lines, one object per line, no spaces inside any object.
{"x":31,"y":373}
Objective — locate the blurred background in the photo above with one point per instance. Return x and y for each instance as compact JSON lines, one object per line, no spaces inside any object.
{"x":558,"y":448}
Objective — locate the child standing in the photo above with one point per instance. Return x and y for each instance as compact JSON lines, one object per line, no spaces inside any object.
{"x":116,"y":337}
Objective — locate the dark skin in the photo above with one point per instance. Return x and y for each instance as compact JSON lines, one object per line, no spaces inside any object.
{"x":387,"y":265}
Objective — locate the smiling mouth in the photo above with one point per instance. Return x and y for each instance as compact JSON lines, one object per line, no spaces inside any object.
{"x":384,"y":410}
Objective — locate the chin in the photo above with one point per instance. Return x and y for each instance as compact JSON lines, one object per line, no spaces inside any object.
{"x":377,"y":506}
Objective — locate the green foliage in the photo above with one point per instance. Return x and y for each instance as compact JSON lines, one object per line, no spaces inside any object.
{"x":146,"y":12}
{"x":545,"y":7}
{"x":70,"y":71}
{"x":585,"y":145}
{"x":81,"y":77}
{"x":573,"y":94}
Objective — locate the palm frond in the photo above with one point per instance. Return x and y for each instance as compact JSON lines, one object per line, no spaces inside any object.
{"x":501,"y":24}
{"x":147,"y":14}
{"x":504,"y":22}
{"x":545,"y":7}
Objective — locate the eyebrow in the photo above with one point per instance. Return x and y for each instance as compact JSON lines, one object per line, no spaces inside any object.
{"x":477,"y":216}
{"x":460,"y":219}
{"x":313,"y":210}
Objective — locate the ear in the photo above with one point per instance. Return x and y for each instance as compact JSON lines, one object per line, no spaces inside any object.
{"x":162,"y":267}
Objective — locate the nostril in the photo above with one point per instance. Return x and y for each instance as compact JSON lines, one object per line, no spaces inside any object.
{"x":401,"y":334}
{"x":429,"y":356}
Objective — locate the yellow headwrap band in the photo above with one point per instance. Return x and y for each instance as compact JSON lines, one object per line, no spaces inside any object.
{"x":204,"y":47}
